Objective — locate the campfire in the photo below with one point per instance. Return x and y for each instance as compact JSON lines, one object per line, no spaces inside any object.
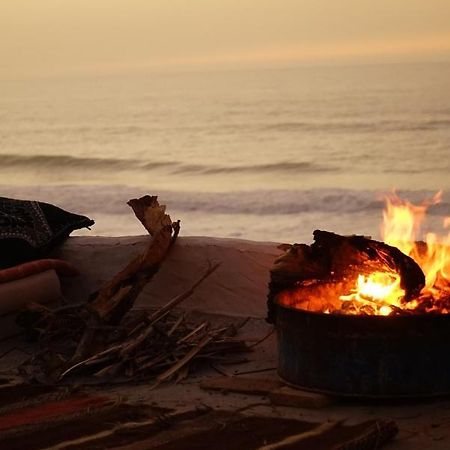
{"x":360,"y":317}
{"x":407,"y":273}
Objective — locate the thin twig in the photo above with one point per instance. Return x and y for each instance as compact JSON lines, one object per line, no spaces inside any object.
{"x":248,"y":372}
{"x":179,"y":321}
{"x":263,"y":338}
{"x":178,"y":299}
{"x":193,"y":332}
{"x":188,"y":357}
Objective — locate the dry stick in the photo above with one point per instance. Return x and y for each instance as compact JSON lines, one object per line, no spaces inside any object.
{"x":189,"y":356}
{"x":183,"y":361}
{"x":118,"y":295}
{"x":92,"y":360}
{"x":176,"y":325}
{"x":152,"y":362}
{"x":124,"y":297}
{"x":193,"y":332}
{"x":243,"y":323}
{"x":164,"y":310}
{"x":177,"y":300}
{"x":248,"y":372}
{"x":86,"y":339}
{"x":126,"y":350}
{"x":112,"y":369}
{"x":137,"y":328}
{"x":159,"y":314}
{"x":259,"y":341}
{"x":290,"y":440}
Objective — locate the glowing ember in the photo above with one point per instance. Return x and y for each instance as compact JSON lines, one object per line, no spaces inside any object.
{"x":381,"y":290}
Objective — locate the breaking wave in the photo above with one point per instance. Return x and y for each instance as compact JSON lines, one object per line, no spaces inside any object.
{"x":359,"y":126}
{"x":112,"y":164}
{"x":73,"y":162}
{"x":112,"y":200}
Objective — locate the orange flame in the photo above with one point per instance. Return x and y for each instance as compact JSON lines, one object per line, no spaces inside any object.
{"x":402,"y":223}
{"x":380,"y":290}
{"x":402,"y":228}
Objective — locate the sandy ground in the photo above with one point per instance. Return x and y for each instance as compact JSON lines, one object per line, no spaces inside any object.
{"x":237,"y":289}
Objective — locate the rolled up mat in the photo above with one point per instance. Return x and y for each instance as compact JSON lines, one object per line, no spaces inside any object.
{"x":41,"y":287}
{"x":24,"y":270}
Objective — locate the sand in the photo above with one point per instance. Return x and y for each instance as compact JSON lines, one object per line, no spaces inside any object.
{"x":237,"y":288}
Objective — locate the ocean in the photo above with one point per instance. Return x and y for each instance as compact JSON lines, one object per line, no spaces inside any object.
{"x":264,"y":154}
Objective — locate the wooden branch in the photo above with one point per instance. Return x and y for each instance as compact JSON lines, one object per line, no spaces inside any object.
{"x":179,"y":321}
{"x":126,"y":348}
{"x":193,"y":332}
{"x":117,"y":296}
{"x":151,"y":214}
{"x":124,"y":287}
{"x":101,"y":339}
{"x":185,"y":360}
{"x":350,"y":253}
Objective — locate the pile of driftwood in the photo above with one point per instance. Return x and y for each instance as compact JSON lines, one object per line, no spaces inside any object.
{"x":105,"y":338}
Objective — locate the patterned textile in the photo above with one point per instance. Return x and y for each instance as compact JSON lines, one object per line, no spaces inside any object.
{"x":29,"y":229}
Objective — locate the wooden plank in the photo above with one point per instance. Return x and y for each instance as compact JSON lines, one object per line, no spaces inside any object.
{"x":242,"y":385}
{"x":287,"y":396}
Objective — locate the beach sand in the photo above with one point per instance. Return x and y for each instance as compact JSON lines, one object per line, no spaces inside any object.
{"x":237,"y":289}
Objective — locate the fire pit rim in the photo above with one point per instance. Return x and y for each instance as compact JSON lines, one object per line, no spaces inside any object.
{"x":364,"y":356}
{"x":367,"y":317}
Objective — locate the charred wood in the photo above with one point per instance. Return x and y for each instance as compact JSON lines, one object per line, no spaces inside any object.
{"x":336,"y":261}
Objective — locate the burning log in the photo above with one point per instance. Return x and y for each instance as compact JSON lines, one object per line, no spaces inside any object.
{"x":342,"y":255}
{"x":331,"y":265}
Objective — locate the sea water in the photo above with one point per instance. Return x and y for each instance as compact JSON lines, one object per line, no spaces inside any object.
{"x":267,"y":154}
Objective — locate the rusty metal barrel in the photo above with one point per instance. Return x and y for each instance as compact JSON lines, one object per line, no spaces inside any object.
{"x":364,"y":356}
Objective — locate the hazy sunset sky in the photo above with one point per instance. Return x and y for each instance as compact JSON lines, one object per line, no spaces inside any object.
{"x":52,"y":37}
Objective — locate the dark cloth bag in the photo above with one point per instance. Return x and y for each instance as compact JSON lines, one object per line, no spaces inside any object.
{"x":30,"y":229}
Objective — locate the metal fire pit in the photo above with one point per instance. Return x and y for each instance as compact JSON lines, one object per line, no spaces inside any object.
{"x":364,"y":356}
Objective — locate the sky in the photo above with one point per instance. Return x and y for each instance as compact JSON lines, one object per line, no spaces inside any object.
{"x":52,"y":37}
